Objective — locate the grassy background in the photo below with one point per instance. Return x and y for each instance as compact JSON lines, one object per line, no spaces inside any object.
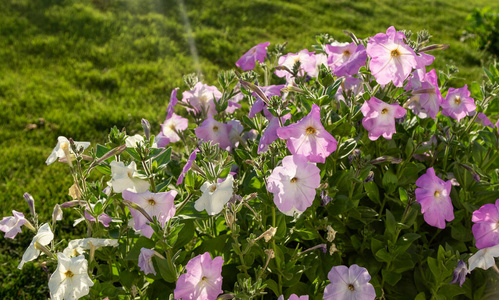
{"x":76,"y":68}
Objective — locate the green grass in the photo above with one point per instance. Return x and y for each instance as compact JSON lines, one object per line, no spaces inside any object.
{"x":77,"y":68}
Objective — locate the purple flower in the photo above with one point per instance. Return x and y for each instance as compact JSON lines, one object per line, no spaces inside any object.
{"x":12,"y":225}
{"x":458,"y":103}
{"x":294,"y":184}
{"x":259,"y":105}
{"x":171,"y":105}
{"x":346,"y":60}
{"x":203,"y":279}
{"x":307,"y":63}
{"x":159,"y":205}
{"x":486,"y":227}
{"x":460,"y":273}
{"x":391,"y":59}
{"x":248,"y":60}
{"x":187,"y":166}
{"x":349,"y":85}
{"x":379,"y":118}
{"x":349,"y":284}
{"x":103,"y":218}
{"x":270,"y":134}
{"x":293,"y":297}
{"x":434,"y":196}
{"x":428,"y":103}
{"x":214,"y":131}
{"x":171,"y":126}
{"x":482,"y":119}
{"x":309,"y":138}
{"x":202,"y":98}
{"x":145,"y":261}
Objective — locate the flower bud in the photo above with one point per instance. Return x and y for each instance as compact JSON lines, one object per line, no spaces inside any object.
{"x":57,"y":213}
{"x":147,"y":128}
{"x":31,"y":203}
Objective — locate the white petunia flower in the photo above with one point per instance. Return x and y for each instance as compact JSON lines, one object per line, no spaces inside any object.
{"x":123,"y":178}
{"x":215,"y":196}
{"x":77,"y":247}
{"x":484,"y":258}
{"x":43,"y":237}
{"x":132,"y":141}
{"x":58,"y":151}
{"x":70,"y":280}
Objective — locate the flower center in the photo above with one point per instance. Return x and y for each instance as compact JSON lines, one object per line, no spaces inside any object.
{"x":130,"y":174}
{"x":151,"y":202}
{"x":293,"y":180}
{"x":310,"y":130}
{"x":384,"y":111}
{"x":69,"y":274}
{"x":351,"y":287}
{"x":457,"y":100}
{"x":395,"y":53}
{"x":215,"y":128}
{"x":347,"y":53}
{"x":436,"y":194}
{"x":213,"y":188}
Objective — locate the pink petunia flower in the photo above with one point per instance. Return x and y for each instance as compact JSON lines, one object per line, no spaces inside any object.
{"x":257,"y":53}
{"x":203,"y":279}
{"x":187,"y":166}
{"x":308,"y":137}
{"x":426,"y":99}
{"x":392,"y":60}
{"x":307,"y":63}
{"x":458,"y":103}
{"x":482,"y":119}
{"x":218,"y":133}
{"x":346,"y":60}
{"x":12,"y":225}
{"x":171,"y":105}
{"x":171,"y":127}
{"x":379,"y":118}
{"x":159,"y":205}
{"x":349,"y":284}
{"x":202,"y":98}
{"x":270,"y":133}
{"x":145,"y":261}
{"x":434,"y":196}
{"x":486,"y":227}
{"x":293,"y":184}
{"x":259,"y":105}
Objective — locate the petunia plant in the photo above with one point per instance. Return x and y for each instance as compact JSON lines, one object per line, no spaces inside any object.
{"x":350,"y":170}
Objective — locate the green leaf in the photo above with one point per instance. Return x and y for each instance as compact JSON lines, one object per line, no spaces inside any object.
{"x":383,"y":256}
{"x":391,"y":277}
{"x":281,"y":227}
{"x":420,"y":296}
{"x":164,"y":157}
{"x":272,"y":285}
{"x":434,"y":268}
{"x":405,"y":242}
{"x":142,"y":242}
{"x":166,"y":270}
{"x":372,"y":191}
{"x":389,"y":181}
{"x":391,"y":225}
{"x":403,"y":195}
{"x":409,"y":148}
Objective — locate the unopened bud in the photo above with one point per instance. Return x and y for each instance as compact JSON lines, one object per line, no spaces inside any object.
{"x":434,"y":47}
{"x":29,"y":225}
{"x":72,"y":203}
{"x":132,"y":205}
{"x":57,"y":213}
{"x":31,"y":203}
{"x":147,"y":128}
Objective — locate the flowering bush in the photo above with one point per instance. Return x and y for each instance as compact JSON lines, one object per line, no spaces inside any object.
{"x":349,"y":172}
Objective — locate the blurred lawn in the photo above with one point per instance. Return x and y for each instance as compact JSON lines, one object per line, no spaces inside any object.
{"x":77,"y":68}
